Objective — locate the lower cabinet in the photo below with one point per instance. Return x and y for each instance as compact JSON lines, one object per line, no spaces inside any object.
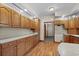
{"x":71,"y":39}
{"x":21,"y":47}
{"x":9,"y":49}
{"x":18,"y":47}
{"x":31,"y":42}
{"x":66,"y":38}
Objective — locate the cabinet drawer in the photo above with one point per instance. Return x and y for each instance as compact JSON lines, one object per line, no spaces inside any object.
{"x":13,"y":43}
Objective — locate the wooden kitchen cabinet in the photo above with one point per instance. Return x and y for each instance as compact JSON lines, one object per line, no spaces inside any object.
{"x":33,"y":24}
{"x":71,"y":39}
{"x":76,"y":40}
{"x":24,"y":22}
{"x":57,"y":22}
{"x":77,"y":22}
{"x":9,"y":49}
{"x":72,"y":31}
{"x":72,"y":23}
{"x":66,"y":24}
{"x":30,"y":24}
{"x":36,"y":39}
{"x":37,"y":25}
{"x":5,"y":16}
{"x":21,"y":47}
{"x":66,"y":38}
{"x":16,"y":21}
{"x":31,"y":42}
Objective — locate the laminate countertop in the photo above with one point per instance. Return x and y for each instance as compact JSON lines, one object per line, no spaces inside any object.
{"x":15,"y":38}
{"x":11,"y":34}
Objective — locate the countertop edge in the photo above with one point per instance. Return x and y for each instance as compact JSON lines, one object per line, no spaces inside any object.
{"x":72,"y":35}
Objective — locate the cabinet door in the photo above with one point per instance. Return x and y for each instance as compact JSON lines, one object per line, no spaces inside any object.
{"x":76,"y":40}
{"x":35,"y":40}
{"x":27,"y":22}
{"x":9,"y":51}
{"x":30,"y":24}
{"x":77,"y":22}
{"x":66,"y":38}
{"x":16,"y":21}
{"x":66,"y":24}
{"x":21,"y":47}
{"x":72,"y":31}
{"x":24,"y":22}
{"x":29,"y":43}
{"x":5,"y":16}
{"x":37,"y":25}
{"x":72,"y":23}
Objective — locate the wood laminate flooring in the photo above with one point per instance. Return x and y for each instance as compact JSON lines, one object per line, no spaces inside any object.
{"x":47,"y":48}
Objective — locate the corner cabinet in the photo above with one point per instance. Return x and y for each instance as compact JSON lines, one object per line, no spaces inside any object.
{"x":5,"y":16}
{"x":16,"y":21}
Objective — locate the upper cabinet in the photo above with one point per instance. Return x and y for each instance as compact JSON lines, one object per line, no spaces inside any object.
{"x":66,"y":24}
{"x":11,"y":18}
{"x":72,"y":23}
{"x":77,"y":22}
{"x":32,"y":24}
{"x":57,"y":22}
{"x":37,"y":25}
{"x":24,"y":22}
{"x":72,"y":31}
{"x":5,"y":16}
{"x":16,"y":21}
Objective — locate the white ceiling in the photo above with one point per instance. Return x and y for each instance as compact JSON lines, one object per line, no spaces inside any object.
{"x":42,"y":9}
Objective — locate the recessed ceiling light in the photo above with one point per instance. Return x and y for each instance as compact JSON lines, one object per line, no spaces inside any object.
{"x":63,"y":16}
{"x":21,"y":10}
{"x":51,"y":9}
{"x":25,"y":10}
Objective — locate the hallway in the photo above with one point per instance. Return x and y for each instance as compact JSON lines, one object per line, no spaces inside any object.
{"x":47,"y":48}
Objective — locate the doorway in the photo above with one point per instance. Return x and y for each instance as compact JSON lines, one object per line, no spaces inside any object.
{"x":48,"y":31}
